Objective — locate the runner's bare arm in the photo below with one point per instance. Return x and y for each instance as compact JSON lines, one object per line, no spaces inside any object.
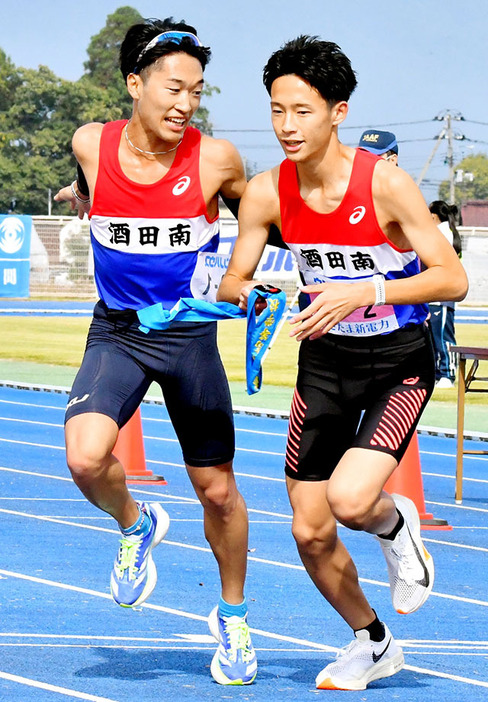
{"x":409,"y":225}
{"x":86,"y":141}
{"x":222,"y":171}
{"x":258,"y":210}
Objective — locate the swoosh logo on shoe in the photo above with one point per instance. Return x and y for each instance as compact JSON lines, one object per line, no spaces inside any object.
{"x":426,"y":579}
{"x":379,"y":656}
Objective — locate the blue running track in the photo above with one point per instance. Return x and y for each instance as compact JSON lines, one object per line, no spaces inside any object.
{"x":62,"y":638}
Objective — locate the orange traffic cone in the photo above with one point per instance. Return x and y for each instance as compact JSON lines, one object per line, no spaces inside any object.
{"x":406,"y":480}
{"x":129,"y":449}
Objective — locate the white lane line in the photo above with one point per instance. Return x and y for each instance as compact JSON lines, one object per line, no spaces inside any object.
{"x":53,"y":688}
{"x":198,"y":638}
{"x":451,"y":455}
{"x":36,"y":422}
{"x":33,"y":404}
{"x":32,"y":443}
{"x":466,"y":507}
{"x":248,"y":450}
{"x":153,"y":438}
{"x":237,"y":474}
{"x":259,"y":632}
{"x":204,"y":549}
{"x":179,"y":499}
{"x":456,"y":545}
{"x":452,"y":477}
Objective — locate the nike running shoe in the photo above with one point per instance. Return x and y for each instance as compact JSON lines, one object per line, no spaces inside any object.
{"x":361,"y":662}
{"x":234,"y":662}
{"x":410,"y":565}
{"x":134,"y":574}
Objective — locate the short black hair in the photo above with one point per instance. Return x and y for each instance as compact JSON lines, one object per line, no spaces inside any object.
{"x":320,"y":63}
{"x":139,"y":35}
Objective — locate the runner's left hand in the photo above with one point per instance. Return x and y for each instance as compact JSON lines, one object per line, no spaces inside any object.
{"x":331,"y":304}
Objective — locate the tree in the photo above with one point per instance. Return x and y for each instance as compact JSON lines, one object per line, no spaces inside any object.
{"x":9,"y":81}
{"x":472,"y":181}
{"x":201,"y":118}
{"x":40,"y":112}
{"x":102,"y":68}
{"x":36,"y":131}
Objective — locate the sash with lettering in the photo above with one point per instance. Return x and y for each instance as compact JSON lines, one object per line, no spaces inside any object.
{"x":260,"y":328}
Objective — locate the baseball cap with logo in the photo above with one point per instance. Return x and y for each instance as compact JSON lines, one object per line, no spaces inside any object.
{"x":378,"y":142}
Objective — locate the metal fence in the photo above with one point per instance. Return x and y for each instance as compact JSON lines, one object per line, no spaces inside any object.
{"x":62,"y":263}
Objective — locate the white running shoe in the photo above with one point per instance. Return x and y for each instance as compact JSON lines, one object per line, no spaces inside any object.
{"x":361,"y":662}
{"x":444,"y":383}
{"x":410,"y":565}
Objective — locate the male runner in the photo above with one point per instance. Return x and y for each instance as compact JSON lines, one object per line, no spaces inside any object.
{"x":355,"y":226}
{"x":380,"y":143}
{"x":153,"y":186}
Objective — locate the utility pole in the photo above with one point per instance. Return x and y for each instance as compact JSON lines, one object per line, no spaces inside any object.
{"x":431,"y":157}
{"x":446,"y":133}
{"x":450,"y":158}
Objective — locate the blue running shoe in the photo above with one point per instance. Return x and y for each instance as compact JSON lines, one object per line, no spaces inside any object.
{"x":234,"y":662}
{"x":134,"y":574}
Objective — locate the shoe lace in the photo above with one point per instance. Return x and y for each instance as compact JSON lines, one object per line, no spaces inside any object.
{"x":127,"y":557}
{"x":239,"y":639}
{"x":406,"y":564}
{"x":347,"y":650}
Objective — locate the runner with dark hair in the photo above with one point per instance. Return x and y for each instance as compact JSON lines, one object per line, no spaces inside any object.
{"x":357,"y":228}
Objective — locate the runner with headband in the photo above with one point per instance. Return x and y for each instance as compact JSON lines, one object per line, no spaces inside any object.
{"x":356,"y":227}
{"x":152,"y":185}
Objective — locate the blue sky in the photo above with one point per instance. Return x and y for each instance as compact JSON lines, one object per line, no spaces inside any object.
{"x":414,"y":59}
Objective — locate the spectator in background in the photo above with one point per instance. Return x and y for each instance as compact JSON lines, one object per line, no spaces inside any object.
{"x":442,"y":313}
{"x":382,"y":144}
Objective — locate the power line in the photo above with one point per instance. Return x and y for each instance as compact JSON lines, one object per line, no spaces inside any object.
{"x":344,"y":126}
{"x":391,"y":124}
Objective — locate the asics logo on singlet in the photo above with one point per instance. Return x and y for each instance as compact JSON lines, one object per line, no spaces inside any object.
{"x":357,"y":214}
{"x":181,"y":185}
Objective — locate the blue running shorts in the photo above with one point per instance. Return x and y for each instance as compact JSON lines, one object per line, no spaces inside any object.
{"x":121,"y":362}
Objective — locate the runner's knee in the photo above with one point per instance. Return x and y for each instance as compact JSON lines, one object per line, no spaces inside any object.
{"x":311,"y":538}
{"x":87,"y":454}
{"x":219,"y":496}
{"x":350,"y":507}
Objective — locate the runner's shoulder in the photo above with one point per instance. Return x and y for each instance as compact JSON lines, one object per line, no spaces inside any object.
{"x":219,"y":151}
{"x":87,"y":137}
{"x":264,"y":186}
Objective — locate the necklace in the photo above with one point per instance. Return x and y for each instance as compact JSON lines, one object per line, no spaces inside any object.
{"x":150,"y":153}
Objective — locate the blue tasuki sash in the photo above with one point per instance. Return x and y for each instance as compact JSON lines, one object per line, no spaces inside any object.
{"x":260,"y":328}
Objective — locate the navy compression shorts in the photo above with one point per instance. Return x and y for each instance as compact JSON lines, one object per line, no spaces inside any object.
{"x":121,"y":362}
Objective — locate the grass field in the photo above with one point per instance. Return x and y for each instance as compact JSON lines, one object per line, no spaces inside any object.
{"x":61,"y":341}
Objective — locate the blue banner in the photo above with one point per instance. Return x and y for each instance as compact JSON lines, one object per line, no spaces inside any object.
{"x":15,"y":241}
